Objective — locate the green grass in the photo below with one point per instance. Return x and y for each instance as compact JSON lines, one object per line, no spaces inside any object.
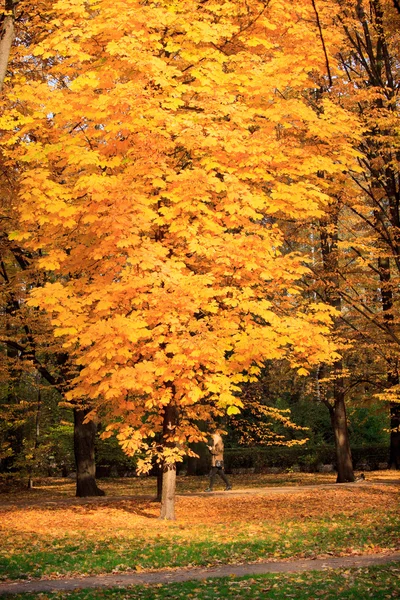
{"x":379,"y":583}
{"x":81,"y":555}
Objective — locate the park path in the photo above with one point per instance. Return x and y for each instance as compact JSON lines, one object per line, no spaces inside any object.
{"x":123,"y":580}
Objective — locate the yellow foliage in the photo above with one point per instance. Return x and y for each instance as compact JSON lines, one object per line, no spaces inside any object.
{"x":160,"y":149}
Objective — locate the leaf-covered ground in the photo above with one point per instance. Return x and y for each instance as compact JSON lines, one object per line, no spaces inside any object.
{"x":53,"y":536}
{"x":15,"y":490}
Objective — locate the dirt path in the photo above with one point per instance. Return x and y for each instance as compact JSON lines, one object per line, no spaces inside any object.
{"x":178,"y":575}
{"x":293,"y":489}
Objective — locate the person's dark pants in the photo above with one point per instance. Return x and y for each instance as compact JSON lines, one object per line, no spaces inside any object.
{"x":218,"y":471}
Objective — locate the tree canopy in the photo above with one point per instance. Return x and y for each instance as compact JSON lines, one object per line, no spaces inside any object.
{"x":162,"y":152}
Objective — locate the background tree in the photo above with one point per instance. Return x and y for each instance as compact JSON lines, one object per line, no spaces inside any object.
{"x":354,"y":247}
{"x":368,"y":232}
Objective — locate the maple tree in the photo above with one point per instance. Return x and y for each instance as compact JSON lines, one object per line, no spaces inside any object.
{"x":157,"y":155}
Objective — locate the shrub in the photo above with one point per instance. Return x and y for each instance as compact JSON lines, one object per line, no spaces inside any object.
{"x":308,"y":458}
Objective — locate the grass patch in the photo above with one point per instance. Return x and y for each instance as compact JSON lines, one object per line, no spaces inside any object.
{"x":374,"y":582}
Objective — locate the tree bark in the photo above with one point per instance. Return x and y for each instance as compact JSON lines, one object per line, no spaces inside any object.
{"x":7,"y":35}
{"x":84,"y":438}
{"x":169,"y":468}
{"x":168,"y":492}
{"x":345,"y":471}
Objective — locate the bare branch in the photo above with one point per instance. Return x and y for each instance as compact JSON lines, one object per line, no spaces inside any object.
{"x":323,"y":43}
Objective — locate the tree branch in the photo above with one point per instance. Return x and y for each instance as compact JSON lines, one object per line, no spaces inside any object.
{"x":323,"y":43}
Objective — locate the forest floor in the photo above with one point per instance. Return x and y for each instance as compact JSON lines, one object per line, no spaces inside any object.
{"x":267,"y":524}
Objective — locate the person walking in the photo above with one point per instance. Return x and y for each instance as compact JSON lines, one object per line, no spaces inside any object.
{"x":217,"y":462}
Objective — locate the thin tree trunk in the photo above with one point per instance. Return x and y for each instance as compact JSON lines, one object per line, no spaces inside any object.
{"x":169,"y":468}
{"x":7,"y":35}
{"x":168,"y":492}
{"x":84,"y":439}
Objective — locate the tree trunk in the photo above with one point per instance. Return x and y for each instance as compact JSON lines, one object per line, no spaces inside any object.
{"x":329,"y":250}
{"x":394,"y":457}
{"x":84,"y":439}
{"x":169,"y":468}
{"x":7,"y":34}
{"x":168,"y":492}
{"x":342,"y":444}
